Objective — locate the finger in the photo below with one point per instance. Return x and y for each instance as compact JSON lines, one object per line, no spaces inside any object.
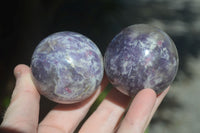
{"x":65,"y":118}
{"x":22,"y":113}
{"x":108,"y":114}
{"x":159,"y":99}
{"x":139,"y":112}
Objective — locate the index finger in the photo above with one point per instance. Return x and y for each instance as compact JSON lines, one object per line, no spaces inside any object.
{"x":22,"y":113}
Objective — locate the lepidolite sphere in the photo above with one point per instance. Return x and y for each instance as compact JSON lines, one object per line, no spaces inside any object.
{"x":141,"y":56}
{"x":67,"y":67}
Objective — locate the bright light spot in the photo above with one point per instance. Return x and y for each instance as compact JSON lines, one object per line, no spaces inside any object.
{"x":70,"y":61}
{"x":146,"y":52}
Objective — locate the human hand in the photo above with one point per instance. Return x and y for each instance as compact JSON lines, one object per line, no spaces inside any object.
{"x":23,"y":112}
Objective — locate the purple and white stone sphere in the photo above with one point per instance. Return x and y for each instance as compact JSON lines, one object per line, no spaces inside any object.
{"x":141,"y":56}
{"x":67,"y":67}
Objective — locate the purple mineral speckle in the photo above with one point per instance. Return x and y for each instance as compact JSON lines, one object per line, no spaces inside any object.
{"x":141,"y":56}
{"x":67,"y":67}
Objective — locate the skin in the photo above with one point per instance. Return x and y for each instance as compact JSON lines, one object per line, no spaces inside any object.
{"x":23,"y":112}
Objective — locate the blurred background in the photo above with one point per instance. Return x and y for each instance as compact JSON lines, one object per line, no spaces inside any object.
{"x":24,"y":23}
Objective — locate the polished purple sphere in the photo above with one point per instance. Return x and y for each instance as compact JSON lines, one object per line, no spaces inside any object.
{"x":141,"y":56}
{"x":67,"y":67}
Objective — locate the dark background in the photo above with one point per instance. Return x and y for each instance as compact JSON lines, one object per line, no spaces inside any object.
{"x":24,"y":23}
